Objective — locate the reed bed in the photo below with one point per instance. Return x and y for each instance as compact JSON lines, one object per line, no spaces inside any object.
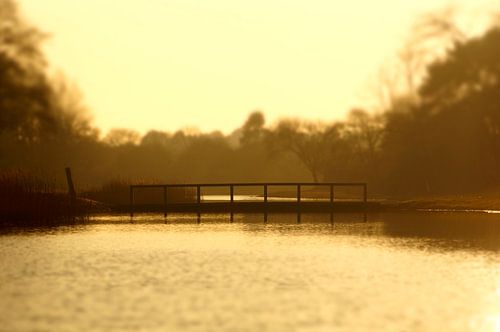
{"x":26,"y":199}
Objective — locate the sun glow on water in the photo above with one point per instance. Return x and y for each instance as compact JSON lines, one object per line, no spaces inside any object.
{"x":495,"y":319}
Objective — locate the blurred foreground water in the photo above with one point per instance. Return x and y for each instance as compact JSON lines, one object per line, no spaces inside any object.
{"x":394,"y":272}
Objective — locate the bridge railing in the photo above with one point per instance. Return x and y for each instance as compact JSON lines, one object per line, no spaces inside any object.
{"x":232,"y":186}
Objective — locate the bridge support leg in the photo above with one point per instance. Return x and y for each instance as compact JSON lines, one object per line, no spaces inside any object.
{"x":131,"y":201}
{"x":165,"y":197}
{"x":198,"y":201}
{"x":331,"y":203}
{"x":231,"y":194}
{"x":299,"y":194}
{"x":265,"y":203}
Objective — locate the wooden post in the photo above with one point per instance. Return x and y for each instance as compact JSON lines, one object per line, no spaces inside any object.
{"x":298,"y":202}
{"x":71,"y":187}
{"x":331,"y":203}
{"x":265,"y":203}
{"x":231,"y":194}
{"x":131,"y":201}
{"x":365,"y":193}
{"x":198,"y":200}
{"x":165,"y":198}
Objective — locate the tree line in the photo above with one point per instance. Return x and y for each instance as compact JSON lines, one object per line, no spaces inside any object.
{"x":436,"y":131}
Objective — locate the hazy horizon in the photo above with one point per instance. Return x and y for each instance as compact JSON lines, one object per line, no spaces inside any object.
{"x":170,"y":65}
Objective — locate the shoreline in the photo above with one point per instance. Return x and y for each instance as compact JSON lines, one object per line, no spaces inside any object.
{"x":481,"y":203}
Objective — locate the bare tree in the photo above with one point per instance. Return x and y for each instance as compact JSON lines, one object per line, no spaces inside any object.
{"x":311,"y":143}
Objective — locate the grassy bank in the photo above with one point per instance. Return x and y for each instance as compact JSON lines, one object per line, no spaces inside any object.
{"x":483,"y":201}
{"x":460,"y":202}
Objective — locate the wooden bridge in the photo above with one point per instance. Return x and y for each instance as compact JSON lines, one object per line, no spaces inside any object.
{"x":266,"y":205}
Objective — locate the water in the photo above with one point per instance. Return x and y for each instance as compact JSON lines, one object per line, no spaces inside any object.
{"x":396,"y":272}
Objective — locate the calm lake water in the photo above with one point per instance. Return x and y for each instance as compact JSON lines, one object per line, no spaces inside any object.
{"x":394,"y":272}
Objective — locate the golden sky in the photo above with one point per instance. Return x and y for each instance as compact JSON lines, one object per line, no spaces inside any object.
{"x":170,"y":64}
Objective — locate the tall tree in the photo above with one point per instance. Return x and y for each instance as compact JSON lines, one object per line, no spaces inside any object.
{"x":25,"y":92}
{"x":465,"y":87}
{"x":32,"y":104}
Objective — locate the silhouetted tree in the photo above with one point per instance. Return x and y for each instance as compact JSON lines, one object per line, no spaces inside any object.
{"x":464,"y":88}
{"x":253,"y":128}
{"x":121,"y":136}
{"x":25,"y":92}
{"x":156,"y":138}
{"x":33,"y":105}
{"x":311,"y":143}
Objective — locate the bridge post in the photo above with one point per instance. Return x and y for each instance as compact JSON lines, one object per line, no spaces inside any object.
{"x":198,"y":201}
{"x":131,"y":200}
{"x":331,"y":194}
{"x":165,"y":198}
{"x":231,"y":194}
{"x":265,"y":203}
{"x":331,"y":203}
{"x":298,"y":202}
{"x":298,"y":194}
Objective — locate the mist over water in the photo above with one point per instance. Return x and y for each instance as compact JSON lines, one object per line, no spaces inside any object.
{"x":396,"y":272}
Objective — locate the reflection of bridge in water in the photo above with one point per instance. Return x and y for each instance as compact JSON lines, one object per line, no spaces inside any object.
{"x":259,"y":204}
